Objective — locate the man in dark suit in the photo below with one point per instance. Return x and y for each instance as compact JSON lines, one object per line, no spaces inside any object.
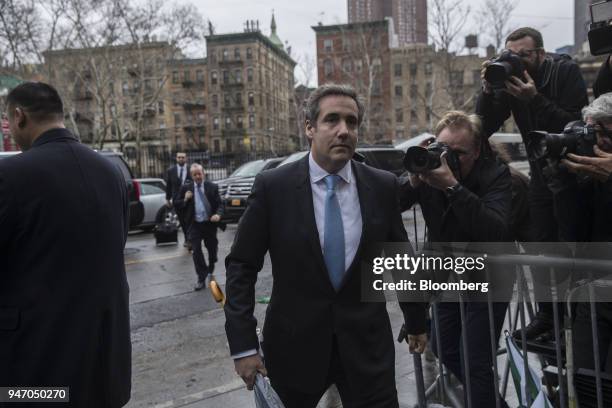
{"x":316,"y":216}
{"x":176,"y":176}
{"x":202,"y":208}
{"x":64,"y":318}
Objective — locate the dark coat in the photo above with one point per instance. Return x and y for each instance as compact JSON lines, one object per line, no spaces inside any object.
{"x":561,"y":96}
{"x":173,"y":183}
{"x":211,"y":190}
{"x":305,"y":312}
{"x":64,"y":318}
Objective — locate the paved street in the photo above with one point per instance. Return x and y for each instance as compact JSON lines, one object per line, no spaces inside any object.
{"x":180,"y":354}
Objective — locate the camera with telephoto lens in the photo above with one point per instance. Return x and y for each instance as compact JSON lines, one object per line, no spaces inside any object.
{"x":600,"y":30}
{"x":420,"y":159}
{"x":577,"y":137}
{"x":502,"y":68}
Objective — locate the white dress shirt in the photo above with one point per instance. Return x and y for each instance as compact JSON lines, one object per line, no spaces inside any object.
{"x":348,"y":199}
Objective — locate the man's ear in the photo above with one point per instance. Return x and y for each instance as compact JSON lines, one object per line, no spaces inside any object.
{"x":20,"y":118}
{"x":309,"y":129}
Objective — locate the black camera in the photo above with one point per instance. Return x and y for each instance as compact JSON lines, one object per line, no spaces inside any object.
{"x":600,"y":30}
{"x":420,"y":159}
{"x":502,"y":68}
{"x":577,"y":137}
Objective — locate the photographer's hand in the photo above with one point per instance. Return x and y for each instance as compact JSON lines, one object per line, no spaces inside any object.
{"x":486,"y":86}
{"x":523,"y":91}
{"x":599,"y":167}
{"x":440,"y":178}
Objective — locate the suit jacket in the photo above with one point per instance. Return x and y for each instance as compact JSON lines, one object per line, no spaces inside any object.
{"x":305,"y":312}
{"x":211,"y":190}
{"x":173,"y":183}
{"x":64,"y":318}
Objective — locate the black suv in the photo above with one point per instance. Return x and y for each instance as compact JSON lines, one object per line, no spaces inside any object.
{"x":235,"y":189}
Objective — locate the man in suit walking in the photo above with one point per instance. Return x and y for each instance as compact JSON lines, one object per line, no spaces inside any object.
{"x":64,"y":318}
{"x":315,"y":217}
{"x":176,"y":176}
{"x":202,"y":208}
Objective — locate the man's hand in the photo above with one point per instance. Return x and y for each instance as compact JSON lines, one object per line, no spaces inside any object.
{"x":417,"y":343}
{"x":599,"y":167}
{"x":247,"y":368}
{"x":486,"y":86}
{"x":440,"y":178}
{"x":188,"y":195}
{"x":168,"y":203}
{"x":215,"y":218}
{"x":523,"y":91}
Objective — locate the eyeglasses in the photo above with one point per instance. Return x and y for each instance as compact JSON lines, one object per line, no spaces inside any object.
{"x":527,"y":53}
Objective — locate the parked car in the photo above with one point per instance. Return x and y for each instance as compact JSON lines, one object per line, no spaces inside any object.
{"x":153,"y":199}
{"x":235,"y":189}
{"x":382,"y":157}
{"x":136,"y":209}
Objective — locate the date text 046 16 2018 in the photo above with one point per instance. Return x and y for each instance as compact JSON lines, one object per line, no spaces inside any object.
{"x":34,"y":394}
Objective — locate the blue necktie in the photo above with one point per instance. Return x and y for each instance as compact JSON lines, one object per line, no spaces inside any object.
{"x":333,"y":237}
{"x":202,"y":215}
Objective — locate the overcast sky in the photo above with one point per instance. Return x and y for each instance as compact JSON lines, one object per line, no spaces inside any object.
{"x":554,"y":18}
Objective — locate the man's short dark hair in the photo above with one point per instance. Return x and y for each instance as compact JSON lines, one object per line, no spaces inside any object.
{"x":527,"y":32}
{"x":41,"y":101}
{"x":312,"y":109}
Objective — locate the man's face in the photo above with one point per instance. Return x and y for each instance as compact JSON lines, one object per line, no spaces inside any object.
{"x":197,"y":175}
{"x":531,"y":55}
{"x":604,"y":142}
{"x":461,"y":141}
{"x":334,"y":136}
{"x":181,"y":158}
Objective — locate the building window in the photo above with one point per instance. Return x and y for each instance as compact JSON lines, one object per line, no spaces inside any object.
{"x":347,"y":65}
{"x":429,"y":68}
{"x":428,"y":88}
{"x":237,"y":54}
{"x":125,"y":88}
{"x":249,"y":53}
{"x":251,"y":121}
{"x":175,"y":77}
{"x":228,"y":145}
{"x":228,"y":122}
{"x":413,"y":92}
{"x":328,"y":45}
{"x":186,"y":76}
{"x":397,"y":70}
{"x":215,"y":101}
{"x":413,"y":116}
{"x":358,"y":65}
{"x":226,"y":77}
{"x":216,"y":146}
{"x":239,"y":99}
{"x":399,"y":115}
{"x":398,"y":90}
{"x":239,"y":122}
{"x":250,"y":75}
{"x":328,"y":67}
{"x":213,"y":78}
{"x":251,"y":99}
{"x":160,"y":107}
{"x":346,"y":44}
{"x":238,"y":74}
{"x":216,"y":123}
{"x":177,"y":119}
{"x":200,"y":75}
{"x":225,"y":54}
{"x":456,"y":78}
{"x":413,"y":69}
{"x":226,"y":100}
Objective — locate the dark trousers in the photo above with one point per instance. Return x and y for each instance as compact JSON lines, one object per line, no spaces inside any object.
{"x":479,"y":346}
{"x":584,"y":356}
{"x":351,"y":397}
{"x":207,"y":232}
{"x":181,"y":218}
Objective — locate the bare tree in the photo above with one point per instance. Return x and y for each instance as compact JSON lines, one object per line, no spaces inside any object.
{"x":493,"y":18}
{"x":306,"y":65}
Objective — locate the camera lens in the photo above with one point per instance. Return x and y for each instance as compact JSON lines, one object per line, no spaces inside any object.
{"x":497,"y":73}
{"x":416,"y":159}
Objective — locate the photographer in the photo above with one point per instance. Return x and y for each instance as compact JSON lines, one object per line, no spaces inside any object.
{"x":550,"y":94}
{"x":467,"y":198}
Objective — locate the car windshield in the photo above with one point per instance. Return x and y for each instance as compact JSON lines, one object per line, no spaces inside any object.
{"x":250,"y":169}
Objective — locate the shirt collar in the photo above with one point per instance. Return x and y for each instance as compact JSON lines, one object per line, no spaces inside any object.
{"x":317,"y":173}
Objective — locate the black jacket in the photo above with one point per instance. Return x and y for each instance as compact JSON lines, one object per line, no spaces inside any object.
{"x":64,"y":318}
{"x":305,"y":312}
{"x":561,"y":96}
{"x":211,"y":190}
{"x":173,"y":183}
{"x":603,"y":83}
